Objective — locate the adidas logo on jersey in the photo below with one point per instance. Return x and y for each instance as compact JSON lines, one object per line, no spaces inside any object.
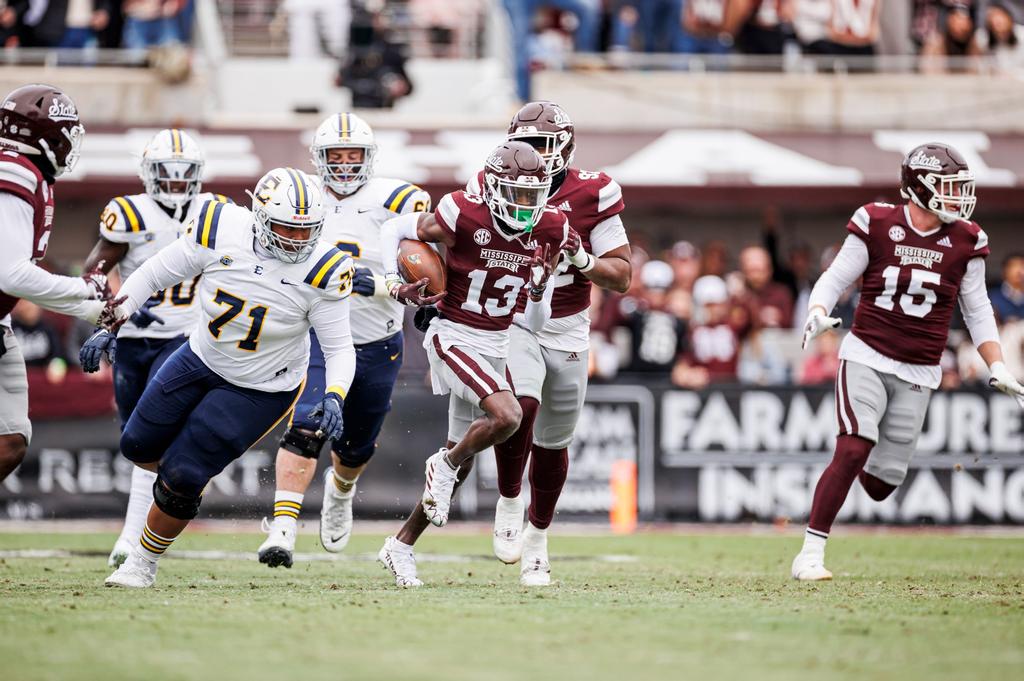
{"x":944,"y":241}
{"x":565,"y":207}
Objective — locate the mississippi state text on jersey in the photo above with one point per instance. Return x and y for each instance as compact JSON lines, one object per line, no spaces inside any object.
{"x":587,"y":199}
{"x":912,"y":281}
{"x":18,"y":176}
{"x":352,"y":223}
{"x":139,"y":221}
{"x":487,"y":269}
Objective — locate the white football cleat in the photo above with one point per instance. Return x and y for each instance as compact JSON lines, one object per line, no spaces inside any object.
{"x":280,"y":543}
{"x":135,"y":572}
{"x":536,"y":570}
{"x":508,"y":529}
{"x":335,"y":515}
{"x":122,"y":547}
{"x":810,"y":567}
{"x":439,"y":488}
{"x":401,"y":561}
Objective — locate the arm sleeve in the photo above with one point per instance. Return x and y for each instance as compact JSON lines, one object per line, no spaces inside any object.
{"x":391,"y":234}
{"x":330,"y":319}
{"x":538,"y":314}
{"x":19,"y":276}
{"x":608,"y":235}
{"x":974,"y":302}
{"x":182,"y":260}
{"x":849,"y":265}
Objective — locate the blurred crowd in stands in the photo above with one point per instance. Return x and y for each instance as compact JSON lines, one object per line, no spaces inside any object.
{"x":714,"y":314}
{"x":132,"y":24}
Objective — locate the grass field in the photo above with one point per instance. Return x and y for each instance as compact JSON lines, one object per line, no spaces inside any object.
{"x":698,"y":607}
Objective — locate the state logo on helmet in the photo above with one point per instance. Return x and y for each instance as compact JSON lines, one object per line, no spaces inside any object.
{"x":172,"y":168}
{"x":40,"y":120}
{"x":936,"y":177}
{"x":287,"y":200}
{"x":516,"y":185}
{"x":547,"y":128}
{"x":343,"y":151}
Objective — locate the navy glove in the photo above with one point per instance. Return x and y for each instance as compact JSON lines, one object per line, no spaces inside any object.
{"x":143,"y":318}
{"x":99,"y":344}
{"x":328,"y":412}
{"x":363,"y":283}
{"x":424,"y":315}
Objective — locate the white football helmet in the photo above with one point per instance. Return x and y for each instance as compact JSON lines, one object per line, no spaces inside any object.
{"x":343,"y":131}
{"x":172,"y":169}
{"x":288,"y":198}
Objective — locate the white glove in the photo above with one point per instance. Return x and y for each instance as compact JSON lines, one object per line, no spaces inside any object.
{"x":817,"y":324}
{"x":1003,"y":381}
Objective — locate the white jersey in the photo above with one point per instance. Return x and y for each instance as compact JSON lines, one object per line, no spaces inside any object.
{"x":256,"y":311}
{"x":141,"y":223}
{"x":352,"y":223}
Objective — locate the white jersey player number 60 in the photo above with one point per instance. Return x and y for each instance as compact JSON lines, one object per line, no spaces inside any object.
{"x":511,"y":285}
{"x":918,"y":279}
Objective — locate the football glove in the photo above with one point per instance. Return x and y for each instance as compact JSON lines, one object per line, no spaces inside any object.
{"x":363,"y":282}
{"x":575,"y":252}
{"x":328,"y":413}
{"x":541,"y":267}
{"x":144,"y":317}
{"x":97,"y":282}
{"x":426,"y":314}
{"x":1003,"y":381}
{"x":101,"y":343}
{"x":817,"y":324}
{"x":113,"y":315}
{"x":410,"y":294}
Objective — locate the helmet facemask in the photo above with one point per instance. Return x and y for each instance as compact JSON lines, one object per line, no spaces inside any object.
{"x":172,"y":182}
{"x":556,"y":148}
{"x":952,"y":196}
{"x":344,"y":178}
{"x":75,"y":134}
{"x":517,"y":203}
{"x":284,"y":248}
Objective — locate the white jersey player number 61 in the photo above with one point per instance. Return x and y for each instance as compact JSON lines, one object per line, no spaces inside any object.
{"x":918,"y":279}
{"x":511,"y":285}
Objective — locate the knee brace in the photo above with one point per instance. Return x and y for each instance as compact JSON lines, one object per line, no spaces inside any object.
{"x":175,"y":504}
{"x":302,"y":443}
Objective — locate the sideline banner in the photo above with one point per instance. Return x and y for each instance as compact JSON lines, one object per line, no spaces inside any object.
{"x":724,"y":454}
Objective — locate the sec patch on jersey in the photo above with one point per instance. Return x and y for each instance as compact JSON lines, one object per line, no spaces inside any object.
{"x":417,"y":260}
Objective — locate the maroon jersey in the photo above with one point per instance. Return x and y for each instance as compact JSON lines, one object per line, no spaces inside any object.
{"x":912,"y":281}
{"x":18,"y":176}
{"x":486,"y":270}
{"x":587,"y":199}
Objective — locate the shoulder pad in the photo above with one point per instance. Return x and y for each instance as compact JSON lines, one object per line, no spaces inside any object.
{"x":333,"y":269}
{"x":397,"y":200}
{"x":18,"y":175}
{"x":220,"y":198}
{"x":204,"y":230}
{"x":609,"y":196}
{"x":127,"y":217}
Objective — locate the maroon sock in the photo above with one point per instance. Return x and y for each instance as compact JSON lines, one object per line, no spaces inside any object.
{"x":877,"y":489}
{"x":511,"y":454}
{"x":548,"y":470}
{"x":835,"y":482}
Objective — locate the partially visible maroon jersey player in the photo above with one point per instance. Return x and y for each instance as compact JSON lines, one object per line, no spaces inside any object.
{"x":40,"y":135}
{"x":501,"y":245}
{"x":917,"y":260}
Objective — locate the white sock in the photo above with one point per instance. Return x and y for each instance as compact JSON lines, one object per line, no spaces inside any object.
{"x":140,"y":498}
{"x":287,"y":506}
{"x":151,"y":545}
{"x":402,"y":546}
{"x":814,"y":542}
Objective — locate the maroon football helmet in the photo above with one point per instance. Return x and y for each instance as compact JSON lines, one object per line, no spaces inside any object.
{"x":936,"y":177}
{"x":516,"y":185}
{"x":547,"y":128}
{"x":40,"y":120}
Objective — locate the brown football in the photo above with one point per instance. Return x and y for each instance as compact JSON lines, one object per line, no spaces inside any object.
{"x":417,"y":260}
